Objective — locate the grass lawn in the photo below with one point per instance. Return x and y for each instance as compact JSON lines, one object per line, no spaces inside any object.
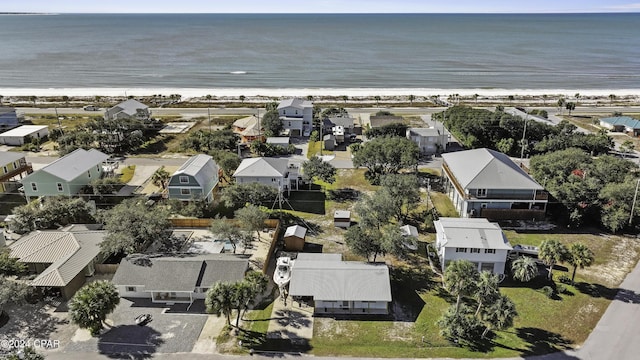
{"x":68,"y":121}
{"x":443,"y":204}
{"x":127,"y":173}
{"x":350,"y":178}
{"x":544,"y":325}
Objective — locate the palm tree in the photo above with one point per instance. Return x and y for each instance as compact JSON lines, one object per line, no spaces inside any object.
{"x":475,"y":97}
{"x":411,"y":98}
{"x":221,"y":300}
{"x":460,"y":278}
{"x":160,"y":178}
{"x":552,"y":252}
{"x":544,"y":99}
{"x":524,"y":269}
{"x":242,"y":98}
{"x":611,"y":98}
{"x":310,"y":97}
{"x":89,"y":307}
{"x":487,"y":289}
{"x":577,"y":96}
{"x":499,"y":315}
{"x":570,"y":106}
{"x":345,"y":98}
{"x":377,"y":99}
{"x":33,"y":99}
{"x":580,"y":256}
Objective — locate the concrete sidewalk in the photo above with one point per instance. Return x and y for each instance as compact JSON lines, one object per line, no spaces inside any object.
{"x":290,"y":321}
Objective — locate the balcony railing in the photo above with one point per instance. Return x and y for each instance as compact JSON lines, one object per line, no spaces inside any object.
{"x":24,"y":167}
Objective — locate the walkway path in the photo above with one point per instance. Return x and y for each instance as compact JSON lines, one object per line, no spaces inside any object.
{"x":291,"y":321}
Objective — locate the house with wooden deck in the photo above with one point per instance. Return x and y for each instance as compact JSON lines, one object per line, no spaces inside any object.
{"x":487,"y":183}
{"x":13,"y":165}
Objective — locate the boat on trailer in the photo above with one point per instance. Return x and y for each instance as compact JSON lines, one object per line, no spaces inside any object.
{"x":282,"y":275}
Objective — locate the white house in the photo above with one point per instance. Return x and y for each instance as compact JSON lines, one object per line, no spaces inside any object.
{"x":487,"y":183}
{"x":297,"y":116}
{"x":477,"y":240}
{"x":429,"y":140}
{"x":180,"y":279}
{"x":23,"y":134}
{"x":130,"y":109}
{"x":340,"y":287}
{"x":276,"y":172}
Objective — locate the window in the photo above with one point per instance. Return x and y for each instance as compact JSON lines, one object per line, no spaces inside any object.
{"x":34,"y":186}
{"x":461,"y":250}
{"x":98,"y":167}
{"x":489,"y":251}
{"x":15,"y":164}
{"x":185,"y":191}
{"x":5,"y":169}
{"x":184,"y":179}
{"x":475,"y":251}
{"x":481,"y":192}
{"x":60,"y":188}
{"x":486,"y":267}
{"x":130,"y":288}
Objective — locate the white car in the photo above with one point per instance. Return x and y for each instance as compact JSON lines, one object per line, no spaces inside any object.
{"x":91,"y":108}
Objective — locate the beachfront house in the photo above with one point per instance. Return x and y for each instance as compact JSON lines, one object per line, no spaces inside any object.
{"x":476,"y":240}
{"x":275,"y":172}
{"x":60,"y":260}
{"x":340,"y":287}
{"x":67,"y":175}
{"x":24,"y":134}
{"x":195,"y":179}
{"x":623,"y":124}
{"x":297,"y":116}
{"x":12,"y":165}
{"x":177,"y":279}
{"x":430,"y":140}
{"x":8,"y":119}
{"x":486,"y":183}
{"x":129,"y":110}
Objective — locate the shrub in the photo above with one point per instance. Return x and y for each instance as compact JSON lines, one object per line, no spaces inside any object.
{"x":548,"y":290}
{"x":561,"y":289}
{"x":564,"y":279}
{"x":315,"y":136}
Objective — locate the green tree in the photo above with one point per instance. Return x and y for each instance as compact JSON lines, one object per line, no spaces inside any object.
{"x":561,"y":102}
{"x":411,"y":98}
{"x":499,"y":315}
{"x":54,"y":212}
{"x":459,"y":326}
{"x":505,"y":145}
{"x":271,"y":123}
{"x":226,"y":230}
{"x":237,"y":195}
{"x":132,"y":226}
{"x":373,"y":210}
{"x":26,"y":353}
{"x":552,"y":252}
{"x":221,"y":299}
{"x":89,"y":307}
{"x":612,"y":97}
{"x":242,"y":98}
{"x":524,"y":269}
{"x":227,"y":161}
{"x":616,"y":199}
{"x":487,"y":289}
{"x":344,"y":98}
{"x":315,"y":168}
{"x":106,"y":186}
{"x":363,"y":242}
{"x":386,"y":155}
{"x":252,"y":218}
{"x":460,"y":279}
{"x":403,"y":194}
{"x":257,"y":282}
{"x":580,"y":256}
{"x":10,"y":266}
{"x":160,"y":178}
{"x":377,"y":98}
{"x":11,"y":292}
{"x":570,"y":106}
{"x":627,"y":147}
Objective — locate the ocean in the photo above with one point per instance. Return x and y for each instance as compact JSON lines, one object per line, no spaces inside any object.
{"x":386,"y":53}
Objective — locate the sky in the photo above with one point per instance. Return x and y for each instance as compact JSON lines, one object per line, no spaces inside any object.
{"x":318,"y":6}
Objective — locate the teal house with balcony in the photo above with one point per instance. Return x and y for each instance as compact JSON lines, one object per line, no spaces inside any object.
{"x":195,"y":179}
{"x":66,"y":176}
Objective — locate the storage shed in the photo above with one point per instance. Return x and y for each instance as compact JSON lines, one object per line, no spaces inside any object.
{"x":22,"y":134}
{"x":342,"y":218}
{"x":294,"y":238}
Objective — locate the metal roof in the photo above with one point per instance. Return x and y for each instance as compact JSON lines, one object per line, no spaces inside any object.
{"x":24,"y":130}
{"x":129,"y":107}
{"x":262,"y":167}
{"x":342,"y":214}
{"x":201,"y":167}
{"x":296,"y":103}
{"x":67,"y":252}
{"x":340,"y":280}
{"x":425,"y":131}
{"x":488,"y":169}
{"x":281,"y":140}
{"x":409,"y":230}
{"x":182,"y":273}
{"x":296,"y":230}
{"x":10,"y":156}
{"x":623,"y":120}
{"x":246,"y":122}
{"x":74,"y":164}
{"x":476,"y":233}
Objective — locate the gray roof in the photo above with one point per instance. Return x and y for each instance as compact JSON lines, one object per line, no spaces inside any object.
{"x":488,"y":169}
{"x":182,"y":273}
{"x":319,"y":256}
{"x":332,"y":280}
{"x":129,"y":107}
{"x":476,"y":233}
{"x":297,"y":231}
{"x":281,"y":140}
{"x":342,"y":214}
{"x":295,"y":102}
{"x":425,"y":131}
{"x":409,"y":230}
{"x":7,"y":157}
{"x":74,"y":164}
{"x":346,"y":122}
{"x":67,"y":252}
{"x":24,"y":130}
{"x":201,"y":167}
{"x":262,"y":167}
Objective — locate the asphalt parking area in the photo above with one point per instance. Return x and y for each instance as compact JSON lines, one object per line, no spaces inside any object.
{"x":169,"y":332}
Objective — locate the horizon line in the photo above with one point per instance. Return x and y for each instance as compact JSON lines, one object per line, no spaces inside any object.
{"x":323,"y":13}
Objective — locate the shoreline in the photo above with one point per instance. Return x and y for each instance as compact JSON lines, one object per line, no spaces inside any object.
{"x":320,"y":92}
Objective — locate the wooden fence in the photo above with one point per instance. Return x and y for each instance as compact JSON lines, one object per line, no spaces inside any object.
{"x":190,"y":222}
{"x":275,"y":224}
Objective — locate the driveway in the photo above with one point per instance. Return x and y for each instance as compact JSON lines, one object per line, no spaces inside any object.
{"x":171,"y":331}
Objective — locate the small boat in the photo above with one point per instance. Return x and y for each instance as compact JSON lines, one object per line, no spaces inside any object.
{"x":282,"y":275}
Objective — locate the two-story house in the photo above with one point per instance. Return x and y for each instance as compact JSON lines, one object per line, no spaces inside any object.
{"x":195,"y":179}
{"x":12,"y":165}
{"x":487,"y":183}
{"x":8,"y":119}
{"x":297,"y":116}
{"x":67,"y":175}
{"x":476,"y":240}
{"x":275,"y":172}
{"x":130,"y":109}
{"x":430,"y":140}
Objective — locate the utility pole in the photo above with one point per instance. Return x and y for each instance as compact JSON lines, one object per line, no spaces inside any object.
{"x":633,"y":205}
{"x":524,"y":132}
{"x":209,"y":115}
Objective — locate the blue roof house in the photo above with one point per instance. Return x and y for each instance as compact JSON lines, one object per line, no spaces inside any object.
{"x":195,"y":179}
{"x":624,"y":124}
{"x":67,"y":175}
{"x":8,"y":119}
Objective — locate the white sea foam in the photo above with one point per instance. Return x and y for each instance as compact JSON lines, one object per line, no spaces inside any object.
{"x":303,"y":92}
{"x":238,"y":72}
